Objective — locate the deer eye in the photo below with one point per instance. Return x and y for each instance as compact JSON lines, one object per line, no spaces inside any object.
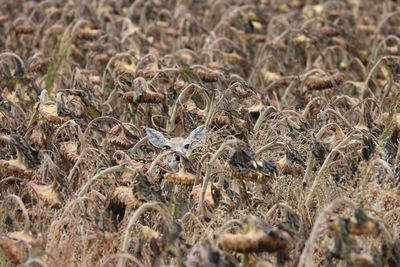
{"x":167,"y":146}
{"x":186,"y":146}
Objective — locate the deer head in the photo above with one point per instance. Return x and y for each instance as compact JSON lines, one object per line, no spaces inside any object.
{"x":176,"y":144}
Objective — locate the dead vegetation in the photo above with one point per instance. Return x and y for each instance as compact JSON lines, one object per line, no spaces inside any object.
{"x":199,"y":133}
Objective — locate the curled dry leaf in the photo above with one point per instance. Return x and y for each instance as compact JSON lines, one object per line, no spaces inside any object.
{"x":243,"y":166}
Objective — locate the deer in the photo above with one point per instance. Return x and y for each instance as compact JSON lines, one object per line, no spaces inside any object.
{"x":179,"y":145}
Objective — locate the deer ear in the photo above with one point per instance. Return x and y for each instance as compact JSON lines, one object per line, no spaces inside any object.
{"x":156,"y":138}
{"x":196,"y":135}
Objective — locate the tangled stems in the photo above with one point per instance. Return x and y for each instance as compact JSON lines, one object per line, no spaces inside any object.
{"x":340,"y":116}
{"x":372,"y":72}
{"x":111,"y":61}
{"x":17,"y":199}
{"x":158,"y":206}
{"x":16,"y":57}
{"x":307,"y":75}
{"x":310,"y":165}
{"x":229,"y":224}
{"x":81,"y":157}
{"x":35,"y":261}
{"x":382,"y":43}
{"x":188,"y":89}
{"x":105,"y":118}
{"x":61,"y":50}
{"x":378,"y":28}
{"x":269,"y":146}
{"x":70,"y":123}
{"x":226,"y":144}
{"x":122,"y":256}
{"x":261,"y":118}
{"x":325,"y":128}
{"x":117,"y":168}
{"x":138,"y":145}
{"x":389,"y":121}
{"x":287,"y":207}
{"x":206,"y":156}
{"x":211,"y":111}
{"x":325,"y":166}
{"x":306,"y":259}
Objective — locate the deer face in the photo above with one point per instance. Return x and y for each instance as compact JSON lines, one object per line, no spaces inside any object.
{"x":176,"y":144}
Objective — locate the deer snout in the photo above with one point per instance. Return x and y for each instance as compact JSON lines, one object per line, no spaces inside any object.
{"x":176,"y":157}
{"x":173,"y":162}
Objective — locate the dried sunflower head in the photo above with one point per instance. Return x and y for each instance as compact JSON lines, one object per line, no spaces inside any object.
{"x":27,"y":158}
{"x":287,"y":167}
{"x":69,"y":150}
{"x":122,"y":136}
{"x":88,"y":33}
{"x":243,"y":166}
{"x":182,"y":177}
{"x":15,"y":168}
{"x":148,"y":67}
{"x":38,"y":63}
{"x":257,"y":237}
{"x":14,"y":245}
{"x":49,"y":112}
{"x":207,"y":75}
{"x":47,"y":194}
{"x":318,"y":83}
{"x":23,"y":26}
{"x":121,"y":201}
